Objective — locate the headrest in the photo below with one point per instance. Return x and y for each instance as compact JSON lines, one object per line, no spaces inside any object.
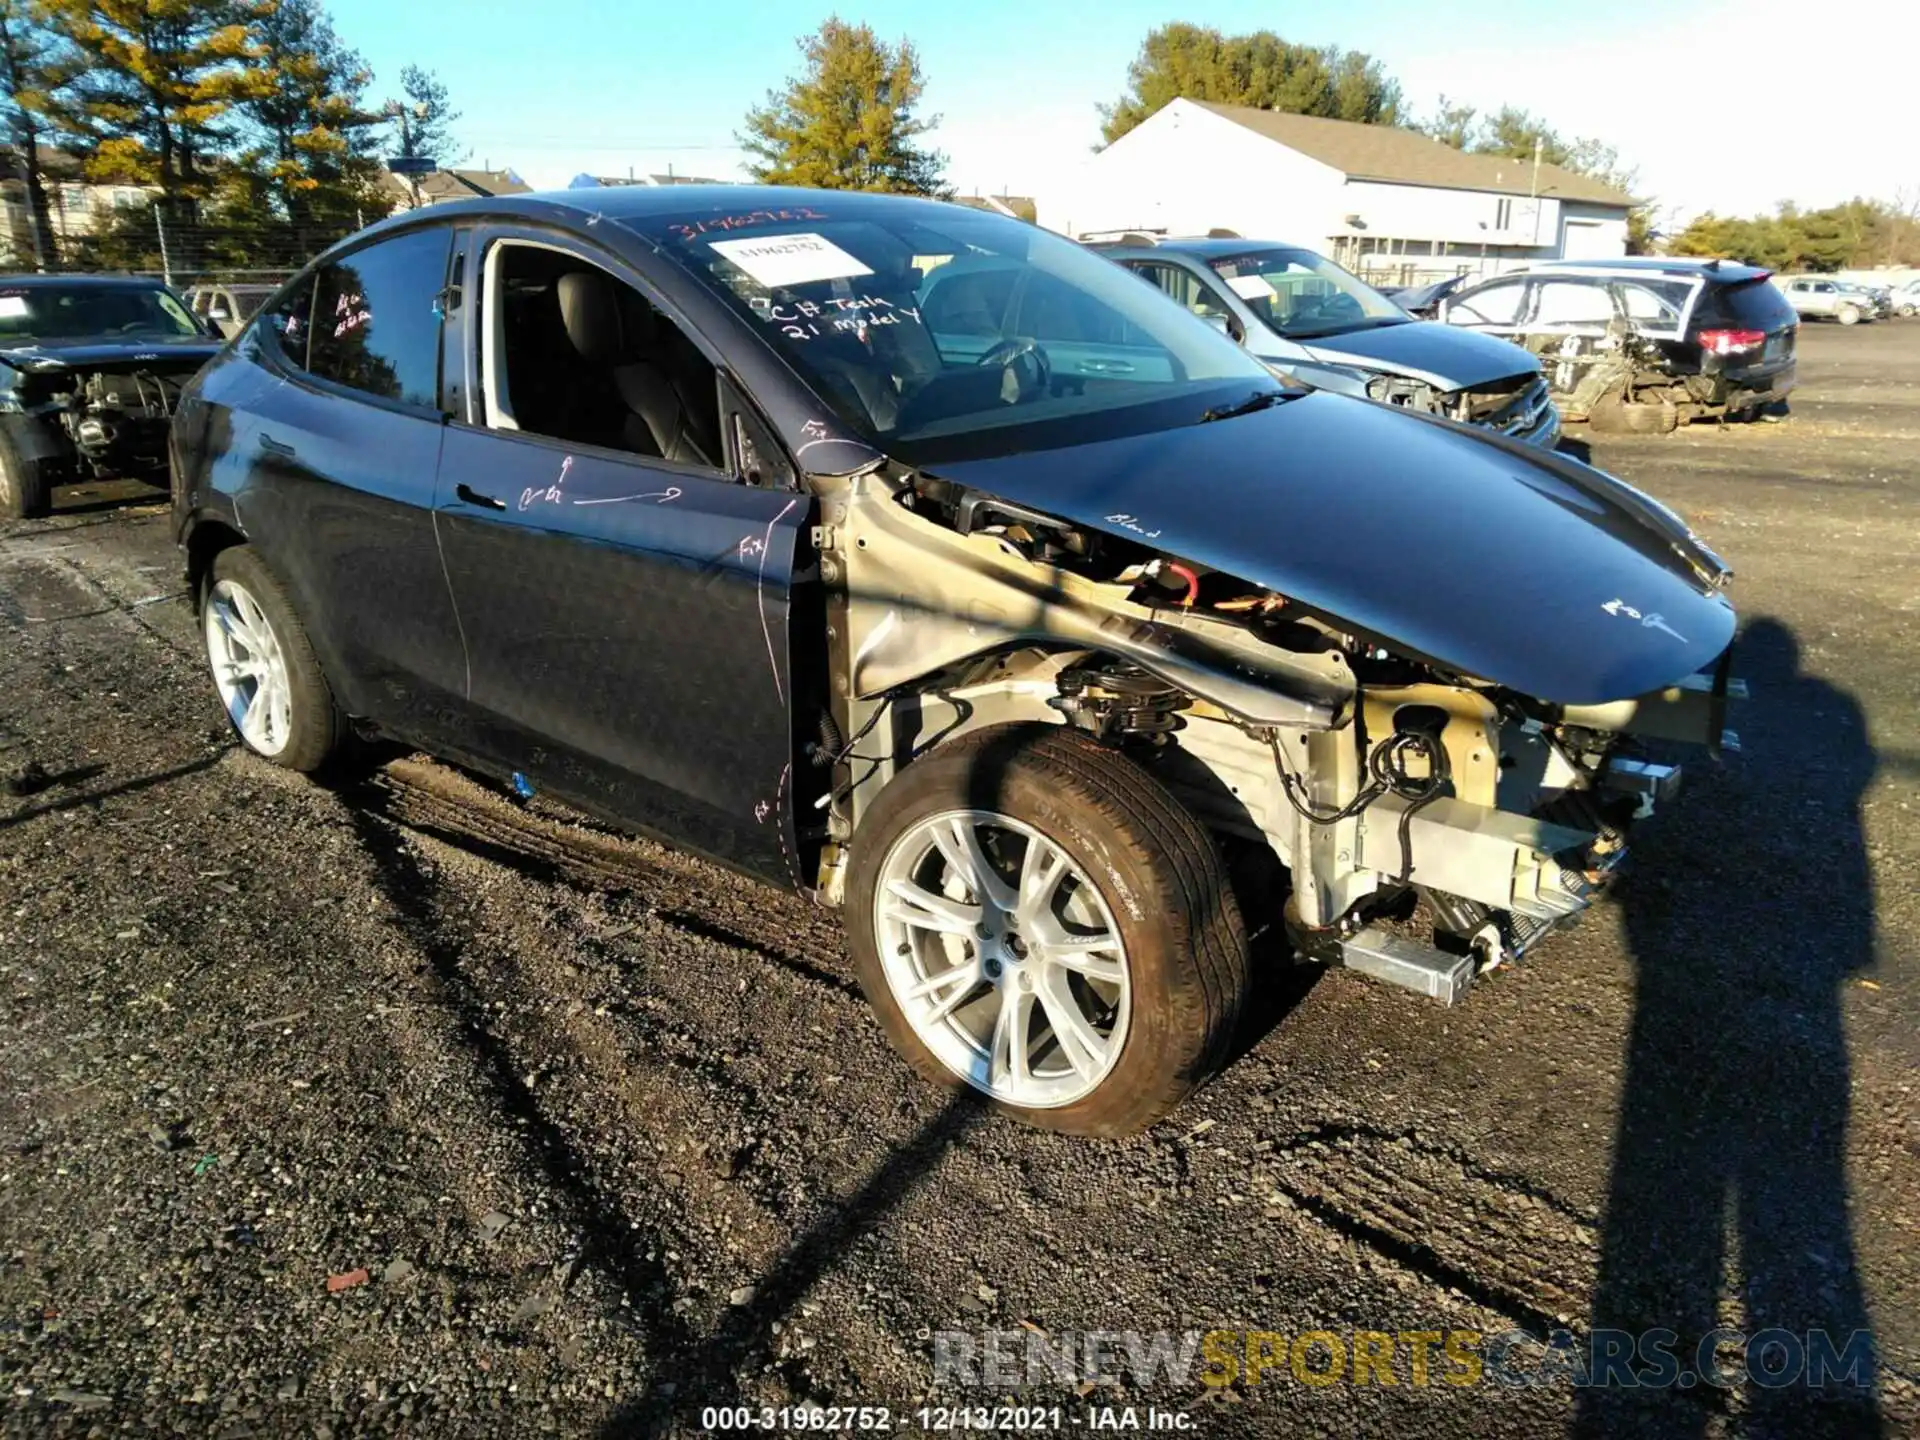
{"x":590,"y":310}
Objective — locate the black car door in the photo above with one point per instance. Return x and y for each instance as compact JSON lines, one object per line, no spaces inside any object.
{"x":338,"y":496}
{"x":626,"y":616}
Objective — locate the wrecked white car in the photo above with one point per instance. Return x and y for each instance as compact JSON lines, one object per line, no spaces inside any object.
{"x":1062,"y":665}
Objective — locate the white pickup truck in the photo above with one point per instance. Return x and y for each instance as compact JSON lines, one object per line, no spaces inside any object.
{"x":1823,"y":298}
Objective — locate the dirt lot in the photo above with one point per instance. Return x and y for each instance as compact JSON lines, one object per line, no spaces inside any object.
{"x":402,"y":1108}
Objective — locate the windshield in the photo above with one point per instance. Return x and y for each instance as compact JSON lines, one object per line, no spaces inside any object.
{"x":78,"y":312}
{"x":1300,"y":295}
{"x":925,"y":324}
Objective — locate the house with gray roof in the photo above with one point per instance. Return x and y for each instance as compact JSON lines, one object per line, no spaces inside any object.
{"x":1390,"y":204}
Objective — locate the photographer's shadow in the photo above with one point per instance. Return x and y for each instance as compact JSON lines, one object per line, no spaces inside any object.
{"x":1751,"y":905}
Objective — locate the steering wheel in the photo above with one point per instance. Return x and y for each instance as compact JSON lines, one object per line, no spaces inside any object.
{"x":1026,"y":362}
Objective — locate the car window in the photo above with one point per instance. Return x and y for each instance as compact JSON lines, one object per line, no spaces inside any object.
{"x":1184,"y":287}
{"x":1304,"y":296}
{"x":840,"y":289}
{"x":1750,"y":304}
{"x":1054,"y":311}
{"x":1656,"y":305}
{"x":574,"y":353}
{"x":375,"y":323}
{"x":1571,"y":304}
{"x":969,"y":301}
{"x":56,"y":311}
{"x":1496,"y":304}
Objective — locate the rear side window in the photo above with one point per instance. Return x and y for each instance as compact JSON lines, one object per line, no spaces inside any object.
{"x":1750,"y":305}
{"x":375,"y":326}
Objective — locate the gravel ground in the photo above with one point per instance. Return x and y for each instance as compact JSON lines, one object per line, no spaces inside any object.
{"x":398,"y":1107}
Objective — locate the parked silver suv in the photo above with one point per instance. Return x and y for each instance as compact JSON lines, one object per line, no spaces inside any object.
{"x":1817,"y":297}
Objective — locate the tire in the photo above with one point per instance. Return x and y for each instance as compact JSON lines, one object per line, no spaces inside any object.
{"x":288,"y":715}
{"x":25,"y":490}
{"x":1612,"y":415}
{"x":1161,"y":890}
{"x":1848,"y":315}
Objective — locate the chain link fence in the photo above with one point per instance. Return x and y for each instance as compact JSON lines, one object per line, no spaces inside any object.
{"x":143,"y":240}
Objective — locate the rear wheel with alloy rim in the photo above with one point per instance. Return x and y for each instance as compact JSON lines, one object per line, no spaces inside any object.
{"x":265,"y":670}
{"x":1036,"y":918}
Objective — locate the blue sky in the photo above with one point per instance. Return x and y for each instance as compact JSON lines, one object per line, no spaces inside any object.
{"x":1709,"y":99}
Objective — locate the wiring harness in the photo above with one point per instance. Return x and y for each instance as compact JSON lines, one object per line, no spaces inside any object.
{"x":1387,"y":773}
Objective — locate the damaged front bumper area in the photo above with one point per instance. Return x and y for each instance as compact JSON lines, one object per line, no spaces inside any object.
{"x":103,"y":420}
{"x":1377,"y":780}
{"x":1519,"y":406}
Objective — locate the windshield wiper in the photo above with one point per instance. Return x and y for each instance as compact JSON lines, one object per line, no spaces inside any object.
{"x":1259,"y":400}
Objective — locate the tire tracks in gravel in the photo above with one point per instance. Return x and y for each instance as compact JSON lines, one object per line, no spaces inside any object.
{"x":775,"y":927}
{"x":1437,"y":1213}
{"x":624,"y":1122}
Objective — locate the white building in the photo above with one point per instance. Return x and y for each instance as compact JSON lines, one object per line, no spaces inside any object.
{"x":1388,"y":203}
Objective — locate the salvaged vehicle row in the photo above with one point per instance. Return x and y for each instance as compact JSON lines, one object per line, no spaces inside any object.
{"x":727,"y":515}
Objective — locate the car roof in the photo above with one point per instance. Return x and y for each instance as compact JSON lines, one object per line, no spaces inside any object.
{"x":68,"y":282}
{"x":724,"y":207}
{"x":1200,"y":246}
{"x":645,"y":202}
{"x":1728,"y":272}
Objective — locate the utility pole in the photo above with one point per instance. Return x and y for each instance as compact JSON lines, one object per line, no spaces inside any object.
{"x":166,"y":261}
{"x":396,"y":111}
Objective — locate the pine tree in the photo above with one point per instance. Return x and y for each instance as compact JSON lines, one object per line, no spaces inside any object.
{"x":847,"y":121}
{"x":25,"y":50}
{"x":147,"y":87}
{"x":311,"y":139}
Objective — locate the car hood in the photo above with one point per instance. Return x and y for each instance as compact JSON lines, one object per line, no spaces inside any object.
{"x":1442,"y":355}
{"x":1473,"y":551}
{"x":77,"y":354}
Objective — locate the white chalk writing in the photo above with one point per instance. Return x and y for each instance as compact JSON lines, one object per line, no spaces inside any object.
{"x":1133,"y":523}
{"x":549,"y":493}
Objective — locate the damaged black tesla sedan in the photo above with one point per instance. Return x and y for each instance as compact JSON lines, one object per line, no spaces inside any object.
{"x":708,"y":512}
{"x":90,"y":368}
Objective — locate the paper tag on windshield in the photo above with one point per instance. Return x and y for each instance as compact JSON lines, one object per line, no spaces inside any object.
{"x":13,"y":307}
{"x":791,"y":259}
{"x":1251,"y":287}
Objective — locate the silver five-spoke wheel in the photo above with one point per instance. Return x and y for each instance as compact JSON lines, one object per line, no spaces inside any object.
{"x":249,"y":667}
{"x":1003,"y":957}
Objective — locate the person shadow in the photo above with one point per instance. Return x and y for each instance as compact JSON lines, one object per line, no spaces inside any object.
{"x":1749,"y":907}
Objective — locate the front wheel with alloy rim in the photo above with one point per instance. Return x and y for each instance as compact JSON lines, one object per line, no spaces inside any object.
{"x":1034,"y":916}
{"x":269,"y":680}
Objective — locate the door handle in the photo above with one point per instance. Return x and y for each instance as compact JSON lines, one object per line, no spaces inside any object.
{"x":1104,"y":367}
{"x":275,"y":447}
{"x":474,"y":497}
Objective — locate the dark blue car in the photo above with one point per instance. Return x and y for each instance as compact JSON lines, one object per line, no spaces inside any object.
{"x":923,"y":560}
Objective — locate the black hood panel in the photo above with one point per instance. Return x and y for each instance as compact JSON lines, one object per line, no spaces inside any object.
{"x":120,"y":354}
{"x":1532,"y":571}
